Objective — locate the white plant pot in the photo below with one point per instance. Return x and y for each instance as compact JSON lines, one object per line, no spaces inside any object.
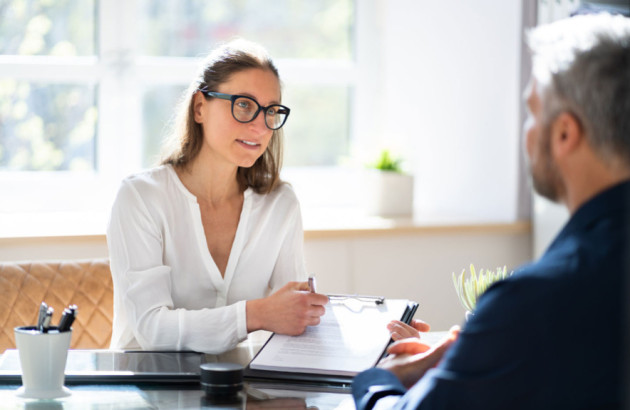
{"x":388,"y":194}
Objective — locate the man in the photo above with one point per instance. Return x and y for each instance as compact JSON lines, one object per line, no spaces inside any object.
{"x":551,"y":336}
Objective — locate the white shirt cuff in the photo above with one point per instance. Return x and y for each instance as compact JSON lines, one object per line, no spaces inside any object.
{"x":241,"y":320}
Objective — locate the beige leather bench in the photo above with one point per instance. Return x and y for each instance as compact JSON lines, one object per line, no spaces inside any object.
{"x":87,"y":284}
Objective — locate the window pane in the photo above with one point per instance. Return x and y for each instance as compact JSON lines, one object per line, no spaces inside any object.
{"x":46,"y":127}
{"x":158,"y":110}
{"x":287,"y":28}
{"x":45,"y":27}
{"x":316,"y":132}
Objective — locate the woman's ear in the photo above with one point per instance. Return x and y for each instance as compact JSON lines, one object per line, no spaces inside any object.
{"x":198,"y":104}
{"x":566,"y":135}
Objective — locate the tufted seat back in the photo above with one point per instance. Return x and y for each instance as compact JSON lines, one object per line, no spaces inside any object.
{"x":87,"y":284}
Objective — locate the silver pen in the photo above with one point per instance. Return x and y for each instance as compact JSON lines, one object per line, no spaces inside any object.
{"x":47,"y":320}
{"x":43,"y":308}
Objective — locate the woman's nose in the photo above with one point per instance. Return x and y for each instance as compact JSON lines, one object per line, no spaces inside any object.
{"x":259,"y":123}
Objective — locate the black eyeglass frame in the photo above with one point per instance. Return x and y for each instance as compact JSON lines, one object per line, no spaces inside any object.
{"x":234,"y":97}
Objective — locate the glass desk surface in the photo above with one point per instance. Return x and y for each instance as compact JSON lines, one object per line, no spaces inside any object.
{"x":147,"y":396}
{"x":141,"y":397}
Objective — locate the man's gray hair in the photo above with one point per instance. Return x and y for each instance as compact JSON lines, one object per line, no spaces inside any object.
{"x":582,"y":66}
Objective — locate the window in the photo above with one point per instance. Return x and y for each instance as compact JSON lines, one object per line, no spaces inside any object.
{"x":46,"y":124}
{"x":87,"y":88}
{"x":47,"y":127}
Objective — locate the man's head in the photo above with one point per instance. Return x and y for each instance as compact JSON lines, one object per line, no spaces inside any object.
{"x":580,"y":84}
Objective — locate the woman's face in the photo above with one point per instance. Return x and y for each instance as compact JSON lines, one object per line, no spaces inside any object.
{"x":226,"y":139}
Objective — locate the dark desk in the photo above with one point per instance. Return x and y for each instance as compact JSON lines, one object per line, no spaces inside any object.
{"x":122,"y":396}
{"x":141,"y":397}
{"x":114,"y":396}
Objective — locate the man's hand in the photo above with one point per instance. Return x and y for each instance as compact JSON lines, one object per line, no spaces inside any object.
{"x":288,"y":311}
{"x":410,"y":358}
{"x":400,"y":330}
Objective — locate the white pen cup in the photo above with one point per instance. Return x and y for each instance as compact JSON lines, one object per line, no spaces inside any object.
{"x":43,"y":361}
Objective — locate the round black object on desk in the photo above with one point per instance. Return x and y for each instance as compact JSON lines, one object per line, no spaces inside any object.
{"x":221,"y":380}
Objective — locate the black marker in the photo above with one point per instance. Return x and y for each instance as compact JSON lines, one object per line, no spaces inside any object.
{"x":67,"y":318}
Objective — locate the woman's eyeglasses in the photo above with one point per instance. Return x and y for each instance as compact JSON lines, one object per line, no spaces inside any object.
{"x":245,"y":109}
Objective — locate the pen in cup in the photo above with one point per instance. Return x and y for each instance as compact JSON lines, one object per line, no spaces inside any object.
{"x":46,"y":323}
{"x":43,"y":308}
{"x":312,"y":284}
{"x":68,"y":316}
{"x":73,"y":309}
{"x":64,"y":322}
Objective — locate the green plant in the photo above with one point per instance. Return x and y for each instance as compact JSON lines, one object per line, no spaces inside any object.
{"x":469,"y":289}
{"x":387,"y":162}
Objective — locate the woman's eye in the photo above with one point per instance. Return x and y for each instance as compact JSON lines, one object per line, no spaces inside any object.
{"x":243,"y":104}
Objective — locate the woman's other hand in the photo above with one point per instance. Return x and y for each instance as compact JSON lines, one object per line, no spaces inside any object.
{"x":288,"y":311}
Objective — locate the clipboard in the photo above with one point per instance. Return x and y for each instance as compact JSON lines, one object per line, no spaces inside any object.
{"x":289,"y":376}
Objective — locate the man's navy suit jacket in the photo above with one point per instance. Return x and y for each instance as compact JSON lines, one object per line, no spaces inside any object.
{"x":548,"y":337}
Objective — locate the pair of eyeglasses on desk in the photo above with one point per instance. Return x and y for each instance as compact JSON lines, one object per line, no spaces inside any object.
{"x":379,"y":300}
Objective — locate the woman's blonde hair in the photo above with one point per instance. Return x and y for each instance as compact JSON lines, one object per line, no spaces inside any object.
{"x":186,"y":139}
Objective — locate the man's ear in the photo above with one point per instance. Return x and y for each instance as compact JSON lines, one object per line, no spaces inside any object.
{"x":198,"y":103}
{"x":566,"y":135}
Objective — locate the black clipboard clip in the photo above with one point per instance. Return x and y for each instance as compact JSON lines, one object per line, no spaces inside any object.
{"x":379,"y":300}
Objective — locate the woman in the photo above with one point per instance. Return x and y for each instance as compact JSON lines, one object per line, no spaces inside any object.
{"x":208,"y":246}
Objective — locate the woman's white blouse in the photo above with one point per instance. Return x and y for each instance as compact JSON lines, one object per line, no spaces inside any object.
{"x":168,"y":292}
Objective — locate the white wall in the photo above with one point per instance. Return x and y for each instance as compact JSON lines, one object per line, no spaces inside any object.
{"x":439,"y":83}
{"x":452,"y":93}
{"x":417,"y":267}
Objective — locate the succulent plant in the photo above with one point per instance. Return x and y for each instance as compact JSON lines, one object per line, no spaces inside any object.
{"x":469,"y":289}
{"x":387,"y":162}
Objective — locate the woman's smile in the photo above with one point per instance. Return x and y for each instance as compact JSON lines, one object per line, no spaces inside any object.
{"x":249,"y":144}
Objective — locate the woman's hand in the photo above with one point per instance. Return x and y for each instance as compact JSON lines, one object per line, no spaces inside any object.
{"x":288,"y":311}
{"x":400,"y":330}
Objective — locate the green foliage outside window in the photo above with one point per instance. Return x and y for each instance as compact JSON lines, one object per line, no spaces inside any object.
{"x":47,"y":127}
{"x":48,"y":27}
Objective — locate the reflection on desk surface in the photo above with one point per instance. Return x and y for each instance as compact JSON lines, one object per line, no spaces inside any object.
{"x":98,"y":397}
